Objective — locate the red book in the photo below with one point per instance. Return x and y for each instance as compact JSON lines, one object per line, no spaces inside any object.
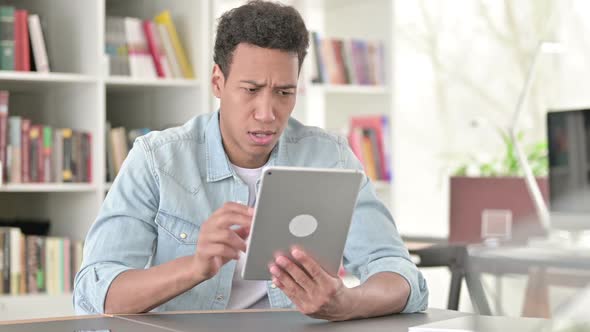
{"x":25,"y":147}
{"x":154,"y":48}
{"x":22,"y":55}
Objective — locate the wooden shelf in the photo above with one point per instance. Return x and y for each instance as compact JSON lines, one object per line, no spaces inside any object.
{"x":47,"y":187}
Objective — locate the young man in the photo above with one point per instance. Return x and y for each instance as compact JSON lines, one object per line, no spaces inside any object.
{"x":165,"y":238}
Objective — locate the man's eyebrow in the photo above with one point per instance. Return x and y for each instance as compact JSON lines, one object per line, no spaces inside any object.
{"x":286,"y":86}
{"x":256,"y":84}
{"x":261,"y":85}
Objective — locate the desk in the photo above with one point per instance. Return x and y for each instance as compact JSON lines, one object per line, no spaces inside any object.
{"x":568,"y":267}
{"x":220,"y":321}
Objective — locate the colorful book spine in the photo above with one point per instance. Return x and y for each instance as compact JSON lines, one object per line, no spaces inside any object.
{"x":14,"y":140}
{"x":6,"y":37}
{"x":36,"y":153}
{"x":47,"y":153}
{"x":165,"y":19}
{"x":22,"y":56}
{"x":154,"y":47}
{"x":38,"y":44}
{"x":25,"y":140}
{"x":67,"y":175}
{"x":175,"y":70}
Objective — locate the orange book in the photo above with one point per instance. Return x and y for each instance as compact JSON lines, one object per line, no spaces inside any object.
{"x":369,"y":158}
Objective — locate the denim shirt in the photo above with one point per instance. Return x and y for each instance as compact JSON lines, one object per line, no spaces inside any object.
{"x":173,"y":180}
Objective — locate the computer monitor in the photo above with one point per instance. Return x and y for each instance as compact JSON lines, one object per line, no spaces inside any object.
{"x":568,"y":134}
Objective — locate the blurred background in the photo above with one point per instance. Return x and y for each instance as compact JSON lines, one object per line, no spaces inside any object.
{"x":425,"y":91}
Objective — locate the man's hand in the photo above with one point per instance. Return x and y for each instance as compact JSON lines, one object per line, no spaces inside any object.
{"x":315,"y":292}
{"x":219,"y":242}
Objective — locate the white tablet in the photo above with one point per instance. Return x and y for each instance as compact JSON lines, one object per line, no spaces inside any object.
{"x":308,"y":207}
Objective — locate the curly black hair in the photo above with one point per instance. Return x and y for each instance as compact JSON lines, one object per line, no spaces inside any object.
{"x":261,"y":23}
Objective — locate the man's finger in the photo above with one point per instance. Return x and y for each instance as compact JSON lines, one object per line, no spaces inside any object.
{"x":286,"y":283}
{"x":311,"y":266}
{"x":297,"y":274}
{"x":229,"y":219}
{"x":229,"y":238}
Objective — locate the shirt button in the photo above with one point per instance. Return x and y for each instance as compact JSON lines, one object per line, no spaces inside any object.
{"x":273,"y":286}
{"x":183,"y":236}
{"x":219,"y":297}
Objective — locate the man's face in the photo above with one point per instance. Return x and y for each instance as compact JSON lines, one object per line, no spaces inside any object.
{"x":256,"y":101}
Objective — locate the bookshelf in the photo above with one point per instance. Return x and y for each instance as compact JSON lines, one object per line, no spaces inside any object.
{"x":78,"y":93}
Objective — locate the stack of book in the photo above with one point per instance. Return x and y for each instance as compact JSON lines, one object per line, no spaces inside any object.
{"x":119,"y":141}
{"x":369,"y":140}
{"x":347,"y":61}
{"x":22,"y":45}
{"x":145,"y":49}
{"x":37,"y":264}
{"x":34,"y":153}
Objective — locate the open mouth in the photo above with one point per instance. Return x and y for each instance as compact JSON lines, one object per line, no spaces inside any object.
{"x":262,"y":137}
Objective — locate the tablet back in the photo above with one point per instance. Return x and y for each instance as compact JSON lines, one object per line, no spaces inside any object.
{"x":308,"y":207}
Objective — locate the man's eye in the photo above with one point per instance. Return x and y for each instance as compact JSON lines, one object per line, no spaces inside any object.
{"x":251,"y":90}
{"x":284,"y":93}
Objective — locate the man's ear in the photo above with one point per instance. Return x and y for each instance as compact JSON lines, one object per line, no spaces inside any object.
{"x":217,"y":81}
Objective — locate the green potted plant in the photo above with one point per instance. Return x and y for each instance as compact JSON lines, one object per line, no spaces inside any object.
{"x":478,"y":187}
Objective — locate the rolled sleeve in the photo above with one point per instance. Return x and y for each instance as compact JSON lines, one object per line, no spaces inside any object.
{"x":123,"y":236}
{"x":418,"y":299}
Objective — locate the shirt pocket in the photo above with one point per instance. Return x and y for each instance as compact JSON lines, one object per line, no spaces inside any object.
{"x":177,"y":237}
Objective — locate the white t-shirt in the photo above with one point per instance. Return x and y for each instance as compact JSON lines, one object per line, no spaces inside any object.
{"x":247,"y":293}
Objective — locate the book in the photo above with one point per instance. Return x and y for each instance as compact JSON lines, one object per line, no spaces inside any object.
{"x":15,"y":261}
{"x":317,"y":75}
{"x":25,"y":147}
{"x":156,"y":49}
{"x":6,"y":37}
{"x":140,"y":61}
{"x":368,"y":157}
{"x":4,"y":134}
{"x":38,"y":44}
{"x":67,"y":171}
{"x":22,"y":56}
{"x":120,"y":148}
{"x":46,"y":154}
{"x":165,"y":19}
{"x":110,"y":176}
{"x":116,"y":46}
{"x":14,"y":141}
{"x":36,"y":153}
{"x":57,"y":156}
{"x":175,"y":70}
{"x":380,"y":125}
